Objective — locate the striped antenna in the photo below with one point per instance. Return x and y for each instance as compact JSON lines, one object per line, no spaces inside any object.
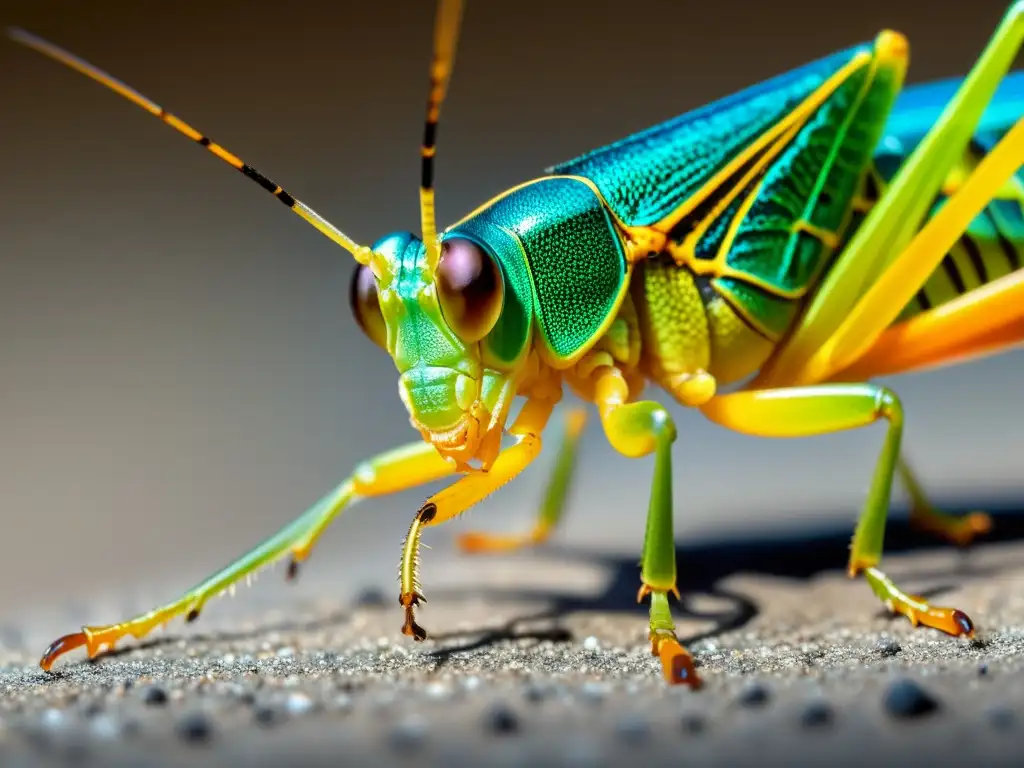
{"x":446,"y":36}
{"x":361,"y":253}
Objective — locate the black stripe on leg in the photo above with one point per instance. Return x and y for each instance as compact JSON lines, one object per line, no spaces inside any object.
{"x":953,"y":273}
{"x":923,"y":301}
{"x":974,"y":254}
{"x":1009,"y":250}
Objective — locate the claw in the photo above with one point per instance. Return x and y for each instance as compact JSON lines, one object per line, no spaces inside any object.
{"x":409,"y":601}
{"x":93,"y":638}
{"x":952,"y":621}
{"x":676,"y":662}
{"x":62,"y":645}
{"x":645,"y":590}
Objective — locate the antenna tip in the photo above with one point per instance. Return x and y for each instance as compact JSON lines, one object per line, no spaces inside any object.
{"x":21,"y":35}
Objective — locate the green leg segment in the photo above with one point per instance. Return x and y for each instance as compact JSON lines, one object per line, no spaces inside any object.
{"x":554,"y":498}
{"x":826,"y":408}
{"x":635,"y":430}
{"x":396,"y":470}
{"x":958,"y":529}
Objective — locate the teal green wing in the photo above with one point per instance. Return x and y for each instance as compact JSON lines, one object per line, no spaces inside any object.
{"x":647,"y":176}
{"x":918,"y":108}
{"x":753,"y":191}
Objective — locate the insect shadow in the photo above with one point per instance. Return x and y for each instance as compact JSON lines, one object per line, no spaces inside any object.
{"x":703,"y":565}
{"x":799,"y":554}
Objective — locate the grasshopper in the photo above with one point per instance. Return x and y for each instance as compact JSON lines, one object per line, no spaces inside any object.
{"x":794,"y":240}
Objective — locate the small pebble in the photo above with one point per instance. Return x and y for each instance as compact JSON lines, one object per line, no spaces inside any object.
{"x":408,"y":734}
{"x":501,"y":719}
{"x":983,"y":669}
{"x":1001,"y":717}
{"x":195,"y":727}
{"x":105,"y":727}
{"x":816,"y":714}
{"x":266,"y":715}
{"x":53,"y":718}
{"x":889,"y":648}
{"x":437,"y":691}
{"x":298,"y":703}
{"x":592,"y":643}
{"x":692,"y":723}
{"x":536,"y":692}
{"x":154,"y":695}
{"x":905,"y":698}
{"x":754,"y":695}
{"x":131,"y":727}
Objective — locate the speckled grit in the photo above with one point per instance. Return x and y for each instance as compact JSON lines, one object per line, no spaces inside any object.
{"x":816,"y":674}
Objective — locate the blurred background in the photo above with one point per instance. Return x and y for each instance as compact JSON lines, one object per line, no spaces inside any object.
{"x":180,"y":374}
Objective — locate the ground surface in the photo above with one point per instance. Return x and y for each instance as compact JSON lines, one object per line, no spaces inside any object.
{"x":801,"y":667}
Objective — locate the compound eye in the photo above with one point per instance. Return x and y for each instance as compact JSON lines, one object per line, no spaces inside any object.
{"x":366,"y":305}
{"x":469,"y":288}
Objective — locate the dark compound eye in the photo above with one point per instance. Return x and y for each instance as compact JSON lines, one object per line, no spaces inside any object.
{"x":469,"y":288}
{"x":366,"y":305}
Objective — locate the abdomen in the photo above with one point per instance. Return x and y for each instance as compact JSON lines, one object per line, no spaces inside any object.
{"x":691,"y":322}
{"x":993,"y":245}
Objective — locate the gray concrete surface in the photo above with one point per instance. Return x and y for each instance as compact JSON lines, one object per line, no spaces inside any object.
{"x":803,"y":669}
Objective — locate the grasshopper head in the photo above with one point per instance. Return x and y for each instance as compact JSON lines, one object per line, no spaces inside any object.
{"x":431,"y":320}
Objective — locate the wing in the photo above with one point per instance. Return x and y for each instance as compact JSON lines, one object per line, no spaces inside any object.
{"x":647,"y":178}
{"x":918,"y":108}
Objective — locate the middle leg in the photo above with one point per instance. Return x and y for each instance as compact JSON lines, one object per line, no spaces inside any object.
{"x":637,"y":429}
{"x":554,"y":498}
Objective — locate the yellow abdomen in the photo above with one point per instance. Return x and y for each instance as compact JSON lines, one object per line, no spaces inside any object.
{"x":688,"y":330}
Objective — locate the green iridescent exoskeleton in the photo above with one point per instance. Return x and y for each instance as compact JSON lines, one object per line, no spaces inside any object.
{"x":564,"y":259}
{"x":793,"y":242}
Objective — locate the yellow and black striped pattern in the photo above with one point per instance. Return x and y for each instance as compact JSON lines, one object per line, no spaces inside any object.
{"x":992,"y":247}
{"x":446,"y":35}
{"x":361,"y":253}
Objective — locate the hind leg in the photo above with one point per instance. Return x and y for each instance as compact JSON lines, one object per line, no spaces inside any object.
{"x":827,"y":408}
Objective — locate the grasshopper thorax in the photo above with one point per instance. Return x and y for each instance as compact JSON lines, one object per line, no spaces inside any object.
{"x":431,"y":319}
